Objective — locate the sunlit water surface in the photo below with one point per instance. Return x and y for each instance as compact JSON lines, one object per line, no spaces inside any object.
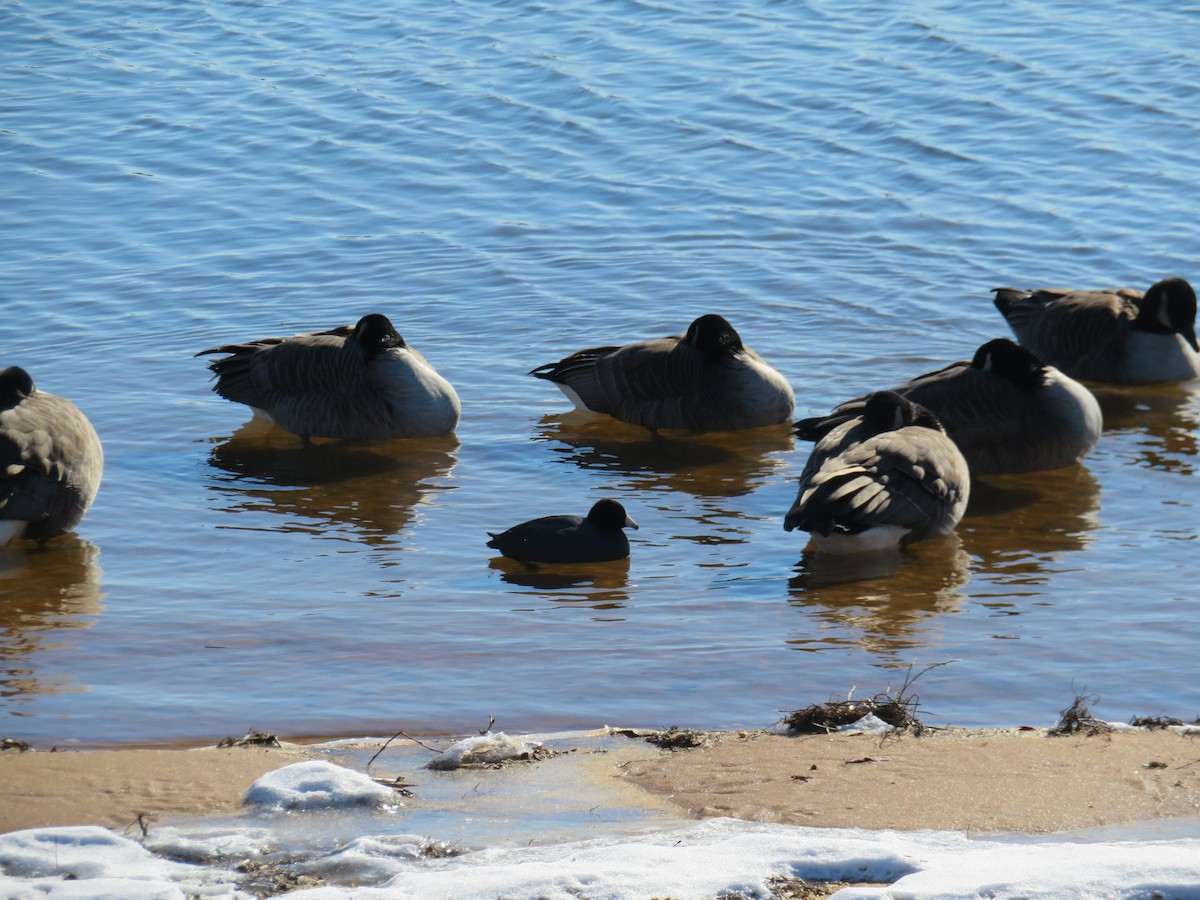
{"x":511,"y":182}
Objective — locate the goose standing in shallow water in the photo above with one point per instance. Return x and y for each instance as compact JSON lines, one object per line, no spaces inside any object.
{"x":360,"y":383}
{"x":1005,"y":410}
{"x":50,"y":461}
{"x":1121,"y":336}
{"x":704,"y":380}
{"x":886,"y":478}
{"x":598,"y":537}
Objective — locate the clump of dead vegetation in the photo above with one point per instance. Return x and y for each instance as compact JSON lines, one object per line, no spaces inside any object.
{"x":13,"y":744}
{"x":253,"y":738}
{"x":1078,"y":719}
{"x":899,"y":709}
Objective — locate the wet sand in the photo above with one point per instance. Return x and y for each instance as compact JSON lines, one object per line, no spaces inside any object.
{"x":954,"y":779}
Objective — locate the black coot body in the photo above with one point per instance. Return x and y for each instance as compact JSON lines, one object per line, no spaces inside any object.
{"x":598,"y":537}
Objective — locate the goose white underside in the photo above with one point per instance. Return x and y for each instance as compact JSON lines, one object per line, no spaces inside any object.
{"x":574,"y":398}
{"x":1076,"y":408}
{"x":1151,"y":358}
{"x":10,"y":530}
{"x":873,"y":540}
{"x":430,"y":403}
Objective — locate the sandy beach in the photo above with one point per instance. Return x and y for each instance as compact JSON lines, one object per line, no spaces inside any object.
{"x":962,"y":780}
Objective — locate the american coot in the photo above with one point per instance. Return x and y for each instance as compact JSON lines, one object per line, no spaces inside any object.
{"x":50,"y":461}
{"x":598,"y":537}
{"x":705,"y":380}
{"x":360,"y":383}
{"x":886,"y":478}
{"x":1005,"y":410}
{"x":1121,"y":336}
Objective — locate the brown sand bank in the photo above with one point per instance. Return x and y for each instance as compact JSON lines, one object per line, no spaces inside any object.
{"x":955,"y":779}
{"x":948,"y":780}
{"x":112,"y":787}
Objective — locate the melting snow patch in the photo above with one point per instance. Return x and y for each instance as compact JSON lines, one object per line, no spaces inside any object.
{"x":484,"y":749}
{"x":316,"y":785}
{"x":94,"y":863}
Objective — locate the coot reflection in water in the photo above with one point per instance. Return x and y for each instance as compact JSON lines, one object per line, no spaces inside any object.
{"x":596,"y":585}
{"x":886,"y":602}
{"x":44,"y":594}
{"x":714,"y":464}
{"x":367,"y":490}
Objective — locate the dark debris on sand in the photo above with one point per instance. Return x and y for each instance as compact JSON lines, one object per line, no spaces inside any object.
{"x":254,"y":738}
{"x":674,"y":738}
{"x":264,"y":879}
{"x":13,"y":744}
{"x":1155,"y":723}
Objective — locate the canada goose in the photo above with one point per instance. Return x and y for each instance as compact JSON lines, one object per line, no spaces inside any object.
{"x":705,"y":380}
{"x":886,"y":478}
{"x":360,"y":383}
{"x":569,"y":539}
{"x":1122,"y":336}
{"x":1005,"y":410}
{"x":50,"y":461}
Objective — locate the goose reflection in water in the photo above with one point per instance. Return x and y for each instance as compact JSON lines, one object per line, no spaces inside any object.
{"x":367,"y":490}
{"x":883,"y":602}
{"x":1160,"y":424}
{"x":44,"y":594}
{"x":716,"y":464}
{"x":1017,"y":526}
{"x":596,"y":585}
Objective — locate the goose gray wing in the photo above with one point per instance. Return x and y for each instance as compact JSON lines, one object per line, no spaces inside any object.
{"x":51,"y":462}
{"x":581,"y":374}
{"x":1082,"y":333}
{"x":837,"y":440}
{"x":272,"y":371}
{"x":913,"y":478}
{"x":655,"y":384}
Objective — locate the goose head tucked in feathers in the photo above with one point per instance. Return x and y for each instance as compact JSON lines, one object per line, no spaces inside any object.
{"x":51,"y":461}
{"x":1006,"y":411}
{"x":703,"y":380}
{"x":886,"y":478}
{"x":354,"y":383}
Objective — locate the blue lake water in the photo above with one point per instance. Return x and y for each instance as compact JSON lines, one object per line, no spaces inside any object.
{"x":510,"y":182}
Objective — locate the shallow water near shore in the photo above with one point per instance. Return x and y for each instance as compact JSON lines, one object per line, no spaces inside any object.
{"x":512,"y":182}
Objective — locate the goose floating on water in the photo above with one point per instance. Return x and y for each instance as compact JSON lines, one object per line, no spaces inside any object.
{"x":1005,"y":410}
{"x":704,"y":380}
{"x":886,"y":478}
{"x":1121,"y":336}
{"x":51,"y":461}
{"x":357,"y":383}
{"x":598,"y":537}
